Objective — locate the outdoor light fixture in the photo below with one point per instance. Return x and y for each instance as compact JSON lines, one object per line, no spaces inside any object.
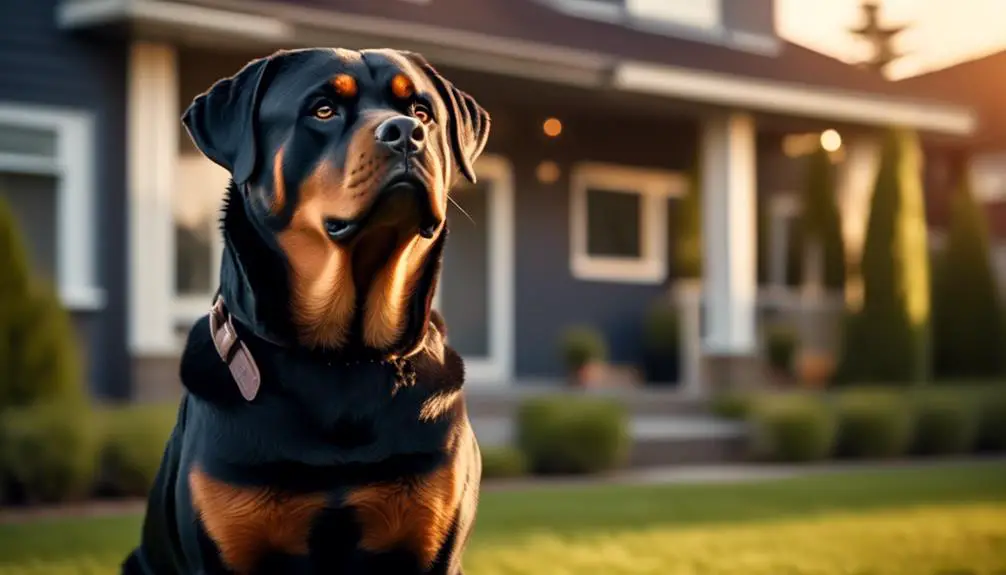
{"x":831,"y":140}
{"x":547,"y":172}
{"x":552,"y":127}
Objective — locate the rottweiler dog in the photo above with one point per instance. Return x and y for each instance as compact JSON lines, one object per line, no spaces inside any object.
{"x":323,"y":427}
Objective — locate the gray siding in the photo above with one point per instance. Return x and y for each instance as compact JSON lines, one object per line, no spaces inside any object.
{"x":42,"y":65}
{"x":750,"y":16}
{"x":547,"y":297}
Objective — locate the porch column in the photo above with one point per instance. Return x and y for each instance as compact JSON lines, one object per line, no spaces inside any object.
{"x":856,"y":178}
{"x":729,"y":223}
{"x":153,"y":125}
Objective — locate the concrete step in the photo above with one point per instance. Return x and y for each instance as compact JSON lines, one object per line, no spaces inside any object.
{"x":656,"y":440}
{"x":502,"y":400}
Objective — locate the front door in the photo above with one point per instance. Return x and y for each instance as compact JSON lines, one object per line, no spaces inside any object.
{"x":475,"y":294}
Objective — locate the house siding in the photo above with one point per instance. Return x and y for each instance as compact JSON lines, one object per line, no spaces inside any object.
{"x":547,"y":296}
{"x":42,"y":65}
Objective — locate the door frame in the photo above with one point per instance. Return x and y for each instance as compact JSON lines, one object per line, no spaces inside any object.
{"x":497,"y":368}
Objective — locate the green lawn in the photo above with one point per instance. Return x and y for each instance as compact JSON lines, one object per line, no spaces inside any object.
{"x":947,"y":520}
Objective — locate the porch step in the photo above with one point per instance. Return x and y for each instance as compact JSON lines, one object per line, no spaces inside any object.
{"x":656,"y":440}
{"x":503,"y":400}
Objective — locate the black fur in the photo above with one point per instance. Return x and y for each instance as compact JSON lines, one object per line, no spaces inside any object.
{"x":324,"y":421}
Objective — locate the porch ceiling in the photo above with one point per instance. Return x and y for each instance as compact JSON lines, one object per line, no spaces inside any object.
{"x":612,"y":79}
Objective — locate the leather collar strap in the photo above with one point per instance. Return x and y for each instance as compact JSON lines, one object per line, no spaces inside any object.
{"x":233,"y":351}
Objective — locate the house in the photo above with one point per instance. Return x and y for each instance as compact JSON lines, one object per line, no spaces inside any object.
{"x":600,"y":109}
{"x":979,"y":83}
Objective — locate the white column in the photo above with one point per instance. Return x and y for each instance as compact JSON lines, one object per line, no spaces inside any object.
{"x":729,"y":220}
{"x":153,"y":130}
{"x":856,"y":178}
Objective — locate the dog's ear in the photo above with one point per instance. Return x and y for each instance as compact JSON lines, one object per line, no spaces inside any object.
{"x":469,"y":122}
{"x":221,"y":121}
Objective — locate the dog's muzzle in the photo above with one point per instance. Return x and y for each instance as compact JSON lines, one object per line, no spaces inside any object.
{"x":343,"y":231}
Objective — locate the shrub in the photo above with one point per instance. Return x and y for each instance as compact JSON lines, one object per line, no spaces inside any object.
{"x":781,"y":343}
{"x":889,"y":342}
{"x":572,"y":435}
{"x":944,"y":424}
{"x":134,"y":441}
{"x":688,"y":223}
{"x":794,"y":428}
{"x":50,"y":450}
{"x":502,"y":462}
{"x":968,"y":331}
{"x":582,"y":345}
{"x":732,"y":404}
{"x":873,"y":424}
{"x":38,"y":356}
{"x":820,"y":221}
{"x":661,"y":344}
{"x":992,"y":422}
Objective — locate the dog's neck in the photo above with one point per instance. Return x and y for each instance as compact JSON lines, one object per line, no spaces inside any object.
{"x":254,"y":284}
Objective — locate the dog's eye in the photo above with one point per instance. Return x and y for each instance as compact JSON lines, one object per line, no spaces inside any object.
{"x":323,"y":110}
{"x":422,"y":113}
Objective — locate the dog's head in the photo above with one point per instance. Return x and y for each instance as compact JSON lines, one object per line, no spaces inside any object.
{"x":343,"y":161}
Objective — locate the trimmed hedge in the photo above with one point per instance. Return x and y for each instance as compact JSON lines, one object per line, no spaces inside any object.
{"x":793,"y":429}
{"x":502,"y":462}
{"x":566,"y":435}
{"x":944,"y":424}
{"x":873,"y":424}
{"x":49,"y":452}
{"x":134,"y":442}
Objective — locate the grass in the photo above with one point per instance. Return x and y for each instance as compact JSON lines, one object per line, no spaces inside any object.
{"x":899,"y":522}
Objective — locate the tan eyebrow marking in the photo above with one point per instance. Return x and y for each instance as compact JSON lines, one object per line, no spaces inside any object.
{"x":345,"y":85}
{"x":402,"y":87}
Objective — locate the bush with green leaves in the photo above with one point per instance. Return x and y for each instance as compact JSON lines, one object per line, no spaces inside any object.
{"x":38,"y":355}
{"x":688,"y":225}
{"x":134,"y":438}
{"x":502,"y":462}
{"x":581,"y":345}
{"x":873,"y":425}
{"x":793,"y":428}
{"x":733,"y":404}
{"x":50,"y":451}
{"x":992,"y":422}
{"x":571,"y":435}
{"x":781,"y":344}
{"x":969,"y":336}
{"x":945,"y":424}
{"x":820,"y":220}
{"x":889,"y":340}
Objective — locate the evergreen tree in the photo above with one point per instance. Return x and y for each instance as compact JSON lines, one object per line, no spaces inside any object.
{"x":820,"y":222}
{"x":688,"y":245}
{"x":968,"y":333}
{"x":38,"y":356}
{"x":888,"y":341}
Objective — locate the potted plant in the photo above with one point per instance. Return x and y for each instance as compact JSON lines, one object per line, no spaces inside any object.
{"x":780,"y":351}
{"x":661,"y":343}
{"x":584,"y":352}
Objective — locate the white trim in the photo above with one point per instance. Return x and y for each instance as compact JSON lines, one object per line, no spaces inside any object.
{"x":76,"y":259}
{"x":153,"y":132}
{"x":791,"y":99}
{"x":82,"y":13}
{"x":988,"y":177}
{"x":782,"y":207}
{"x":498,"y":367}
{"x":653,"y":187}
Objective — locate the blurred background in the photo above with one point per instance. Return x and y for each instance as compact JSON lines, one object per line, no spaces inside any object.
{"x":733,"y":272}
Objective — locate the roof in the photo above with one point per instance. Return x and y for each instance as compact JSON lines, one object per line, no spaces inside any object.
{"x":980,"y":84}
{"x":535,"y":21}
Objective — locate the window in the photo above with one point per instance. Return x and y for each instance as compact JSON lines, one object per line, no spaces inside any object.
{"x":46,"y":178}
{"x":200,"y":186}
{"x":618,"y":222}
{"x":988,"y":175}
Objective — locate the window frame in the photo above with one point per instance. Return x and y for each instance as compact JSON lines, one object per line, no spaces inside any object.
{"x":783,"y":207}
{"x":986,"y":165}
{"x":187,"y":308}
{"x":654,"y":187}
{"x":76,"y":215}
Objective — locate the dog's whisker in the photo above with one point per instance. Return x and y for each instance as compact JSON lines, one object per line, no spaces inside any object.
{"x":458,"y":206}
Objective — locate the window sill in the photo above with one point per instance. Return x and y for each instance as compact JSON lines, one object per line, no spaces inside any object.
{"x":82,"y":298}
{"x":618,"y":270}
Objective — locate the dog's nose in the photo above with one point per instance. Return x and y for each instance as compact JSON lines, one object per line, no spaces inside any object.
{"x":401,"y":134}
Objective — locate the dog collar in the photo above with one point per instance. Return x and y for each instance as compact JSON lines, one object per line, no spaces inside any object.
{"x":233,"y":351}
